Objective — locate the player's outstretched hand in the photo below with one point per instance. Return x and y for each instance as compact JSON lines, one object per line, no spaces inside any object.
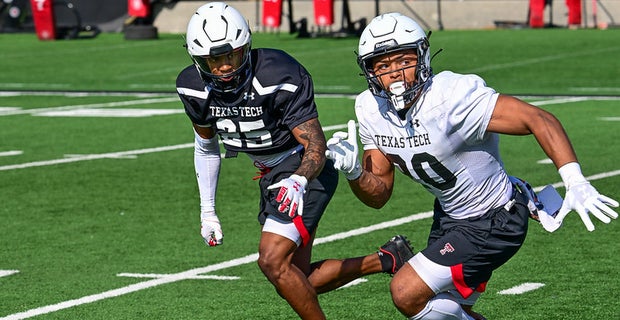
{"x":291,"y":194}
{"x":584,"y":199}
{"x":342,"y":149}
{"x":210,"y":229}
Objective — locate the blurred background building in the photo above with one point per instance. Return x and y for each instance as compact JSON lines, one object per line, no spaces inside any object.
{"x":145,"y":18}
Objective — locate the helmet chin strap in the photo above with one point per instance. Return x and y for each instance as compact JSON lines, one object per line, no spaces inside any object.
{"x":397,"y":89}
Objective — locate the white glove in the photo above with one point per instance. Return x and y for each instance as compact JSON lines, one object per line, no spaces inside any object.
{"x":291,"y":194}
{"x":342,"y":149}
{"x":210,"y":229}
{"x":582,"y":197}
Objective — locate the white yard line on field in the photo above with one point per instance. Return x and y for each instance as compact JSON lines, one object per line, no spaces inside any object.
{"x":11,"y":153}
{"x":5,"y":273}
{"x":556,"y":100}
{"x":88,"y":106}
{"x":592,"y":89}
{"x":353,"y":283}
{"x":609,"y":118}
{"x":111,"y":155}
{"x":197,"y":272}
{"x":84,"y":94}
{"x":156,"y":275}
{"x":193,"y":273}
{"x":593,"y":177}
{"x":541,"y":59}
{"x":115,"y":155}
{"x":169,"y":97}
{"x":522,"y":288}
{"x":560,"y":100}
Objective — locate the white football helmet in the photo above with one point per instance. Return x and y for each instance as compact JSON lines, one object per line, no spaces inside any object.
{"x":389,"y":33}
{"x":217,"y":29}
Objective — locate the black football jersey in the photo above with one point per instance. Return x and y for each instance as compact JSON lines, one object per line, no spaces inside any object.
{"x":257,"y":119}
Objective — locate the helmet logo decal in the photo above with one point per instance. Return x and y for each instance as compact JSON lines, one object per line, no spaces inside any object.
{"x":386,"y":43}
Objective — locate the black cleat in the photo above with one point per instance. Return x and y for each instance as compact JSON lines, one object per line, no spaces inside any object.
{"x":395,"y":253}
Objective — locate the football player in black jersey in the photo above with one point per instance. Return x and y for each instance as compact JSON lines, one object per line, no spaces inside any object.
{"x":261,"y":102}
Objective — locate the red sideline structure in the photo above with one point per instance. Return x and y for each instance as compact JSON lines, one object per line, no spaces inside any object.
{"x":323,"y":12}
{"x":574,"y":12}
{"x":141,"y":25}
{"x":43,"y":16}
{"x":139,"y":8}
{"x":272,"y":13}
{"x":537,"y":9}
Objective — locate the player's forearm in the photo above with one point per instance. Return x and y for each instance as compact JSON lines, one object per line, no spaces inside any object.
{"x":311,"y":136}
{"x":553,"y":140}
{"x":207,"y":165}
{"x":371,"y":190}
{"x":312,"y":162}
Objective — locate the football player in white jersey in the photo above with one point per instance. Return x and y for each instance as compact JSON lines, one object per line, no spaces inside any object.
{"x":442,"y":132}
{"x":261,"y":102}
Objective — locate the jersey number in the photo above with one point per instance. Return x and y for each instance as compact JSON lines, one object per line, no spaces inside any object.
{"x":244,"y":134}
{"x":423,"y":164}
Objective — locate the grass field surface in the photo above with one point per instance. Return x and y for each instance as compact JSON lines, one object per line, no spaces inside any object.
{"x":99,"y":204}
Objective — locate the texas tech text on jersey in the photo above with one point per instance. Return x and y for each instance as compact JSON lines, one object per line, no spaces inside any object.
{"x":256,"y":118}
{"x":402,"y":142}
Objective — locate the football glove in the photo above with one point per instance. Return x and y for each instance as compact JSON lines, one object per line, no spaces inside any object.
{"x":342,"y":149}
{"x":582,"y":197}
{"x":291,"y":194}
{"x":210,"y":229}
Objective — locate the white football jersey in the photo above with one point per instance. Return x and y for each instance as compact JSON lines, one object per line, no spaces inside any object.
{"x":442,"y":143}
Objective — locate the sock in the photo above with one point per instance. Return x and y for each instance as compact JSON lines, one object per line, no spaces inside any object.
{"x":387,"y":261}
{"x":442,"y":307}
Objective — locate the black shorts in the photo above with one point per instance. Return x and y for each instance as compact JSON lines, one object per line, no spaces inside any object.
{"x":474,"y":247}
{"x":318,"y":192}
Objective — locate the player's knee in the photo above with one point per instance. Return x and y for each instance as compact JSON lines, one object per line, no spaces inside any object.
{"x":405,"y":299}
{"x":270,"y":265}
{"x":265,"y":264}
